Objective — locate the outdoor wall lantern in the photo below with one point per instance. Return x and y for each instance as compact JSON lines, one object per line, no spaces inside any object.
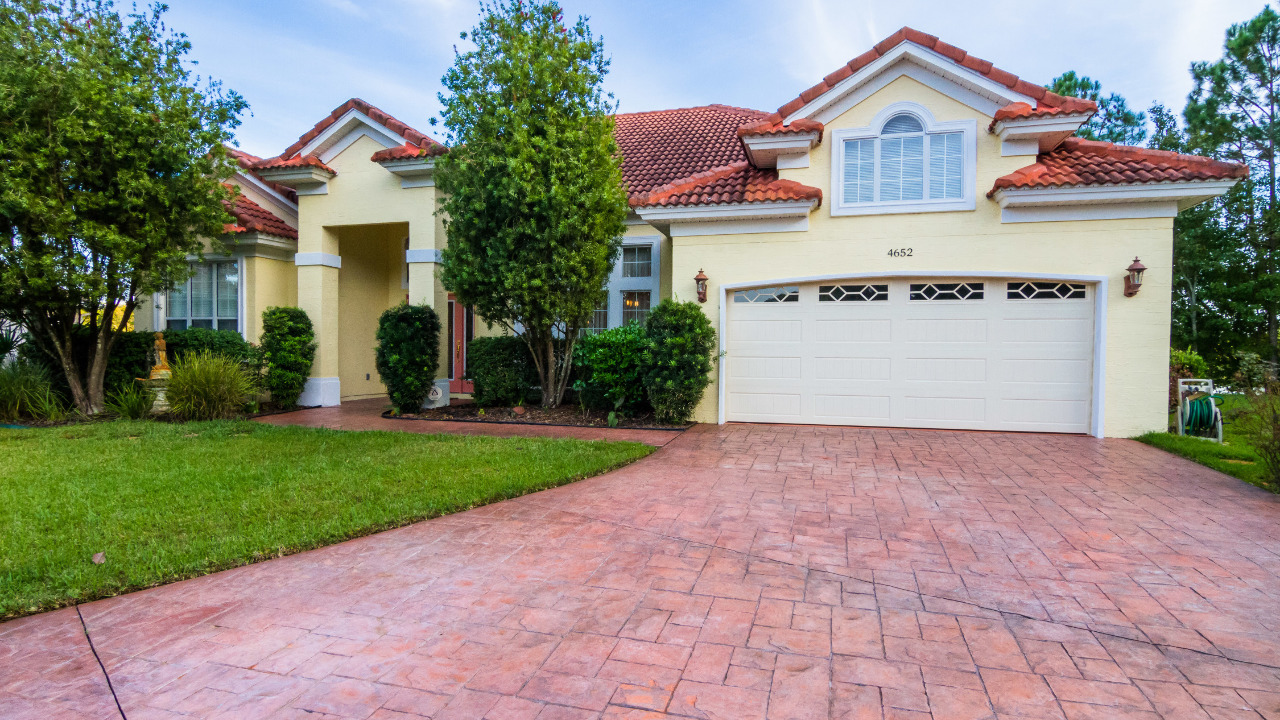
{"x":1133,"y":281}
{"x":701,"y":281}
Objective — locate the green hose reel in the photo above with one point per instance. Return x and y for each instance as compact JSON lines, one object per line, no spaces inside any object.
{"x":1199,"y":412}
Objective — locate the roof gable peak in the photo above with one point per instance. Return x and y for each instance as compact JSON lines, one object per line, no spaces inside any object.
{"x":976,"y":81}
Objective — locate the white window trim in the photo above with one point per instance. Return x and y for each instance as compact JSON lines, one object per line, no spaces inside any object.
{"x":652,"y":284}
{"x":969,"y":144}
{"x":161,"y":299}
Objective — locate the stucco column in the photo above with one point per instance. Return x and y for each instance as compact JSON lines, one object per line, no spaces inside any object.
{"x":424,"y":253}
{"x":318,"y":263}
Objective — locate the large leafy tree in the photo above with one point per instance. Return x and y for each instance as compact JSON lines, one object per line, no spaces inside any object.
{"x":532,"y":188}
{"x":1232,"y":114}
{"x":111,"y":169}
{"x":1114,"y":121}
{"x":1214,"y":311}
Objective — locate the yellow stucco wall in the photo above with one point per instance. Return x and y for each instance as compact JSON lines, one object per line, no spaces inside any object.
{"x":370,"y":281}
{"x":267,"y":283}
{"x":965,"y":243}
{"x":363,"y":194}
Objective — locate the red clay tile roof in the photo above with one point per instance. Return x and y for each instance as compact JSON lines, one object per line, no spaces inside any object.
{"x":414,"y":137}
{"x":250,"y":215}
{"x":1089,"y":162}
{"x":1043,"y":97}
{"x":666,"y":146}
{"x":408,"y":152}
{"x":738,"y":182}
{"x":246,"y":162}
{"x":768,"y":127}
{"x":295,"y":161}
{"x":1019,"y":110}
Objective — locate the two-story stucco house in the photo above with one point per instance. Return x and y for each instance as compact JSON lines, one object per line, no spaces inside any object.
{"x":915,"y":241}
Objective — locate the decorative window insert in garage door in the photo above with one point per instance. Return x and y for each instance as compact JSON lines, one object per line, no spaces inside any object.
{"x":968,"y":353}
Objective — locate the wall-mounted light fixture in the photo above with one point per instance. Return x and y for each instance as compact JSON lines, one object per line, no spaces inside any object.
{"x":700,"y":280}
{"x":1133,"y":281}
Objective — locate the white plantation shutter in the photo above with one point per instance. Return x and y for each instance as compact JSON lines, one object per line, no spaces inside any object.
{"x":902,"y":168}
{"x":202,"y":292}
{"x":859,"y":171}
{"x":228,"y":277}
{"x":946,"y":166}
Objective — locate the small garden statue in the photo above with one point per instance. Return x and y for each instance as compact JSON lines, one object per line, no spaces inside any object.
{"x":161,"y":367}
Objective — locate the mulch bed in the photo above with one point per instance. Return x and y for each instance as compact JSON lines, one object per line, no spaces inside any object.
{"x":563,"y":415}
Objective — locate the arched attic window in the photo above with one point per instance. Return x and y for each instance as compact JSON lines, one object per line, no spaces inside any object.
{"x":904,"y":162}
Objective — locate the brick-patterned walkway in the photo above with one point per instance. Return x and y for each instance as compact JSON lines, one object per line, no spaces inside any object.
{"x":740,"y":572}
{"x":367,"y":415}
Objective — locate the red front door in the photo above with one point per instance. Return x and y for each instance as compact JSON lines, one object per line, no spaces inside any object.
{"x":462,"y":328}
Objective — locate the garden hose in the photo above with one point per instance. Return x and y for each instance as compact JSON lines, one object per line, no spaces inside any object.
{"x":1198,"y":414}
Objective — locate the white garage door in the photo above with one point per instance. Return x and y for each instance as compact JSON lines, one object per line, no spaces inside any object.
{"x":976,"y":353}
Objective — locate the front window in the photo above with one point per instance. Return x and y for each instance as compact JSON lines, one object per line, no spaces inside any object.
{"x":635,"y":306}
{"x":209,"y":299}
{"x":599,"y":319}
{"x":637,"y":262}
{"x":902,"y":162}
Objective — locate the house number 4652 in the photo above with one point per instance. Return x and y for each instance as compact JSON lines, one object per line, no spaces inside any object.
{"x":900,"y":252}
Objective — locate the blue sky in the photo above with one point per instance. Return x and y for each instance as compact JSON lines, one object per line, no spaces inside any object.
{"x":295,"y":60}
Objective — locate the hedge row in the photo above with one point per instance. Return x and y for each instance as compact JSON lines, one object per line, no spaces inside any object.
{"x":660,"y":367}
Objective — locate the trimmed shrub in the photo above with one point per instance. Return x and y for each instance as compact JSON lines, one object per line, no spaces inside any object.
{"x":227,"y":343}
{"x":1184,"y":364}
{"x":21,"y":383}
{"x":611,"y":368}
{"x":208,"y":386}
{"x":681,"y":348}
{"x":288,"y":350}
{"x":133,"y":402}
{"x":408,"y":354}
{"x":502,"y":370}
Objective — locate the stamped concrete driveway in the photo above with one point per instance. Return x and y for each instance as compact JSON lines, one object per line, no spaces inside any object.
{"x":739,"y":572}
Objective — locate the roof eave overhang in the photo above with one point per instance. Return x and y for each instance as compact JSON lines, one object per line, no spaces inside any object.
{"x":304,"y":179}
{"x":255,"y":243}
{"x":1185,"y":193}
{"x":763,"y":150}
{"x":662,"y":214}
{"x":413,"y":172}
{"x":1048,"y":131}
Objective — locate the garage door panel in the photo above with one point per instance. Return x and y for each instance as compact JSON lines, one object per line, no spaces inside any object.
{"x":748,"y":367}
{"x":1046,"y":330}
{"x":765,"y":404}
{"x":828,"y":331}
{"x":945,"y":409}
{"x":985,"y":362}
{"x":947,"y":369}
{"x":851,"y":408}
{"x":852,"y":368}
{"x":1063,"y":414}
{"x":1046,"y":370}
{"x":966,"y":331}
{"x":766,"y":330}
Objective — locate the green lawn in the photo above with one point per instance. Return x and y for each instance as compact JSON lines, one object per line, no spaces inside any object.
{"x":166,"y":502}
{"x":1234,"y":456}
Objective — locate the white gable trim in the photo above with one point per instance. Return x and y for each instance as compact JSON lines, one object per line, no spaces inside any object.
{"x":341,"y":131}
{"x":738,"y":211}
{"x":1182,"y":194}
{"x":282,"y":203}
{"x":920,"y":63}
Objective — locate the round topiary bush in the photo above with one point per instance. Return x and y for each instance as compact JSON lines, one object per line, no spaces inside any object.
{"x":682,"y":345}
{"x":502,"y":370}
{"x":408,"y":354}
{"x":288,"y":350}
